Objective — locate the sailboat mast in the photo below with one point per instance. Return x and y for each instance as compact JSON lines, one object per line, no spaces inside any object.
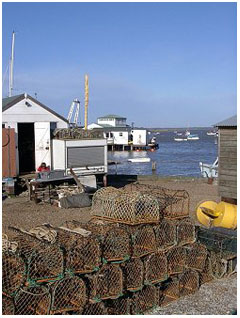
{"x":86,"y":102}
{"x":11,"y":66}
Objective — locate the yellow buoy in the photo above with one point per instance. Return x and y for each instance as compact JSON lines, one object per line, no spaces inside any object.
{"x":205,"y":212}
{"x":227,"y":215}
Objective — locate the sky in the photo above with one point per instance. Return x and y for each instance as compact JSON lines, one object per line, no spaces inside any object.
{"x":158,"y":64}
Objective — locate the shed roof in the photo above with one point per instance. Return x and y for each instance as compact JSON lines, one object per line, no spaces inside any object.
{"x":112,"y":116}
{"x":229,"y":122}
{"x":11,"y":101}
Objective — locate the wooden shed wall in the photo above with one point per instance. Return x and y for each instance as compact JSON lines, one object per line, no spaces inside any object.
{"x":228,"y":162}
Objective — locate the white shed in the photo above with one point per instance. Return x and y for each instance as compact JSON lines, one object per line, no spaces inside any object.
{"x":33,"y":123}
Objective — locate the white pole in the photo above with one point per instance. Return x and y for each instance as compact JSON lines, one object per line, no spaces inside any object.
{"x":11,"y":66}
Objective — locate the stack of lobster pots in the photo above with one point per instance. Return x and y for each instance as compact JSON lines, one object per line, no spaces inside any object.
{"x":138,"y":252}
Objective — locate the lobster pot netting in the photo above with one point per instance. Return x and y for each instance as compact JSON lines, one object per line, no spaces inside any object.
{"x":165,"y":233}
{"x":145,"y":299}
{"x":114,"y":241}
{"x":206,"y":275}
{"x":120,"y":306}
{"x":13,"y":272}
{"x":156,"y":268}
{"x":176,"y":260}
{"x":188,"y":282}
{"x":94,"y":309}
{"x":33,"y":301}
{"x":107,"y":283}
{"x":133,"y":273}
{"x":68,"y":294}
{"x":44,"y":260}
{"x":126,"y":207}
{"x":219,"y":264}
{"x":143,"y":241}
{"x":8,"y":307}
{"x":196,"y":256}
{"x":169,"y":291}
{"x":173,"y":204}
{"x":186,"y":232}
{"x":82,"y":253}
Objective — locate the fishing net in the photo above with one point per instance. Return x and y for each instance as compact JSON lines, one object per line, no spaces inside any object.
{"x":114,"y":241}
{"x":176,"y":260}
{"x":206,"y":275}
{"x":169,"y":291}
{"x":145,"y":299}
{"x":33,"y":301}
{"x":165,"y":233}
{"x":219,"y":264}
{"x":68,"y":294}
{"x":107,"y":283}
{"x":133,"y":272}
{"x":143,"y":241}
{"x":188,"y":282}
{"x":186,"y":232}
{"x":13,"y":272}
{"x":94,"y":309}
{"x":8,"y":307}
{"x":196,"y":256}
{"x":77,"y":133}
{"x":173,"y":204}
{"x":120,"y":306}
{"x":125,"y":207}
{"x":156,"y":268}
{"x":82,"y":251}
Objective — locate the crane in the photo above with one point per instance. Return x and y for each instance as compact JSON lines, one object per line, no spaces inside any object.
{"x":75,"y":104}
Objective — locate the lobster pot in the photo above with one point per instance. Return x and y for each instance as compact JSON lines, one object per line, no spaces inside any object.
{"x":120,"y":306}
{"x":68,"y":294}
{"x":186,"y":232}
{"x":143,"y":240}
{"x":176,"y":260}
{"x":166,"y":236}
{"x":44,"y":261}
{"x":196,"y":256}
{"x":188,"y":282}
{"x":173,"y":204}
{"x":206,"y":275}
{"x":114,"y":241}
{"x":13,"y":272}
{"x":94,"y":309}
{"x":8,"y":307}
{"x":169,"y":291}
{"x":33,"y":301}
{"x":82,"y":254}
{"x":102,"y":207}
{"x":133,"y":273}
{"x":126,"y":207}
{"x":107,"y":283}
{"x":219,"y":264}
{"x":76,"y":133}
{"x":156,"y":268}
{"x":145,"y":299}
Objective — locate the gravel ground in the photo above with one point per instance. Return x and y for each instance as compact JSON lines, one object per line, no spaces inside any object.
{"x":19,"y":211}
{"x":218,"y":297}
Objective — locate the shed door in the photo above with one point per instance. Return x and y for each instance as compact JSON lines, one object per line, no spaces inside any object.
{"x":42,"y":143}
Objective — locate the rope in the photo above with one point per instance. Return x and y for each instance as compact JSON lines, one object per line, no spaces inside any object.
{"x":44,"y":234}
{"x":8,"y":245}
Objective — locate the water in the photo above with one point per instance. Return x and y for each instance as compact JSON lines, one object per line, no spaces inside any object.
{"x":172,"y":158}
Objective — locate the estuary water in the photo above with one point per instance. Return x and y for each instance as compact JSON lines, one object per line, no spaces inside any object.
{"x":172,"y":158}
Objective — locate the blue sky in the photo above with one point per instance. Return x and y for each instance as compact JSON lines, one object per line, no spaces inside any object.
{"x":158,"y":64}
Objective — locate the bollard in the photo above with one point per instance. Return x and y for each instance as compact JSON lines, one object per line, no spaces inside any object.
{"x":154,"y":165}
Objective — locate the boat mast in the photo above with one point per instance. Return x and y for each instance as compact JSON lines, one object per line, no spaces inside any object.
{"x":11,"y":66}
{"x":86,"y":102}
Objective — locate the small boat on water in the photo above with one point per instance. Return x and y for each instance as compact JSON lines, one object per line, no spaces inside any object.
{"x":209,"y":171}
{"x":139,"y":160}
{"x":192,"y":137}
{"x":212,"y":133}
{"x":180,"y":139}
{"x":186,"y":136}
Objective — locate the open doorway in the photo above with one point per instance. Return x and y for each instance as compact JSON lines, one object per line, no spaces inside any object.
{"x":26,"y":147}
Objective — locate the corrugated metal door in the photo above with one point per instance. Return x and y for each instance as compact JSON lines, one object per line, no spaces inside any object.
{"x":85,"y":156}
{"x":42,"y":143}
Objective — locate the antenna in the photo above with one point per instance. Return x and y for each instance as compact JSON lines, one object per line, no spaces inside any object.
{"x":86,"y":102}
{"x":11,"y":66}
